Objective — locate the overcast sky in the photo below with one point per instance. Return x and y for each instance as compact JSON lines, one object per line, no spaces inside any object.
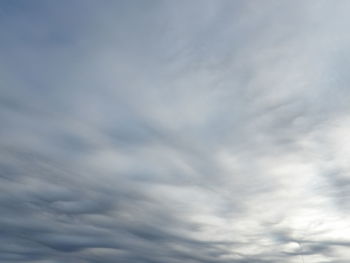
{"x":146,"y":131}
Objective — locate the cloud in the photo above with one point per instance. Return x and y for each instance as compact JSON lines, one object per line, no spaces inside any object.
{"x":191,"y":131}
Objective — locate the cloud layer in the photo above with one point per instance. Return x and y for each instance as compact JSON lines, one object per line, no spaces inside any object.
{"x":182,"y":131}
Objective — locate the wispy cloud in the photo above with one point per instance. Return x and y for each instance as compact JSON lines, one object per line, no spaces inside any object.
{"x":184,"y":131}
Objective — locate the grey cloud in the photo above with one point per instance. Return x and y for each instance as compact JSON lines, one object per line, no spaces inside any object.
{"x":190,"y":131}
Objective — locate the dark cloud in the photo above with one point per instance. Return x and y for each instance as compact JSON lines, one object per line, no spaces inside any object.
{"x":191,"y":131}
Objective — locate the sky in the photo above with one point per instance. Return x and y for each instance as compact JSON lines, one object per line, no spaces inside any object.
{"x":197,"y":131}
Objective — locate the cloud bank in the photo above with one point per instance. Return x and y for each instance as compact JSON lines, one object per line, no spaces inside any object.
{"x":183,"y":131}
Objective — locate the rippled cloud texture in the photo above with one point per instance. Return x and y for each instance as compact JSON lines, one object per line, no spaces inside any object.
{"x":174,"y":131}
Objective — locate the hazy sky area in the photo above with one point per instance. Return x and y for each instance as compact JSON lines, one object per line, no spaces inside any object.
{"x":185,"y":131}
